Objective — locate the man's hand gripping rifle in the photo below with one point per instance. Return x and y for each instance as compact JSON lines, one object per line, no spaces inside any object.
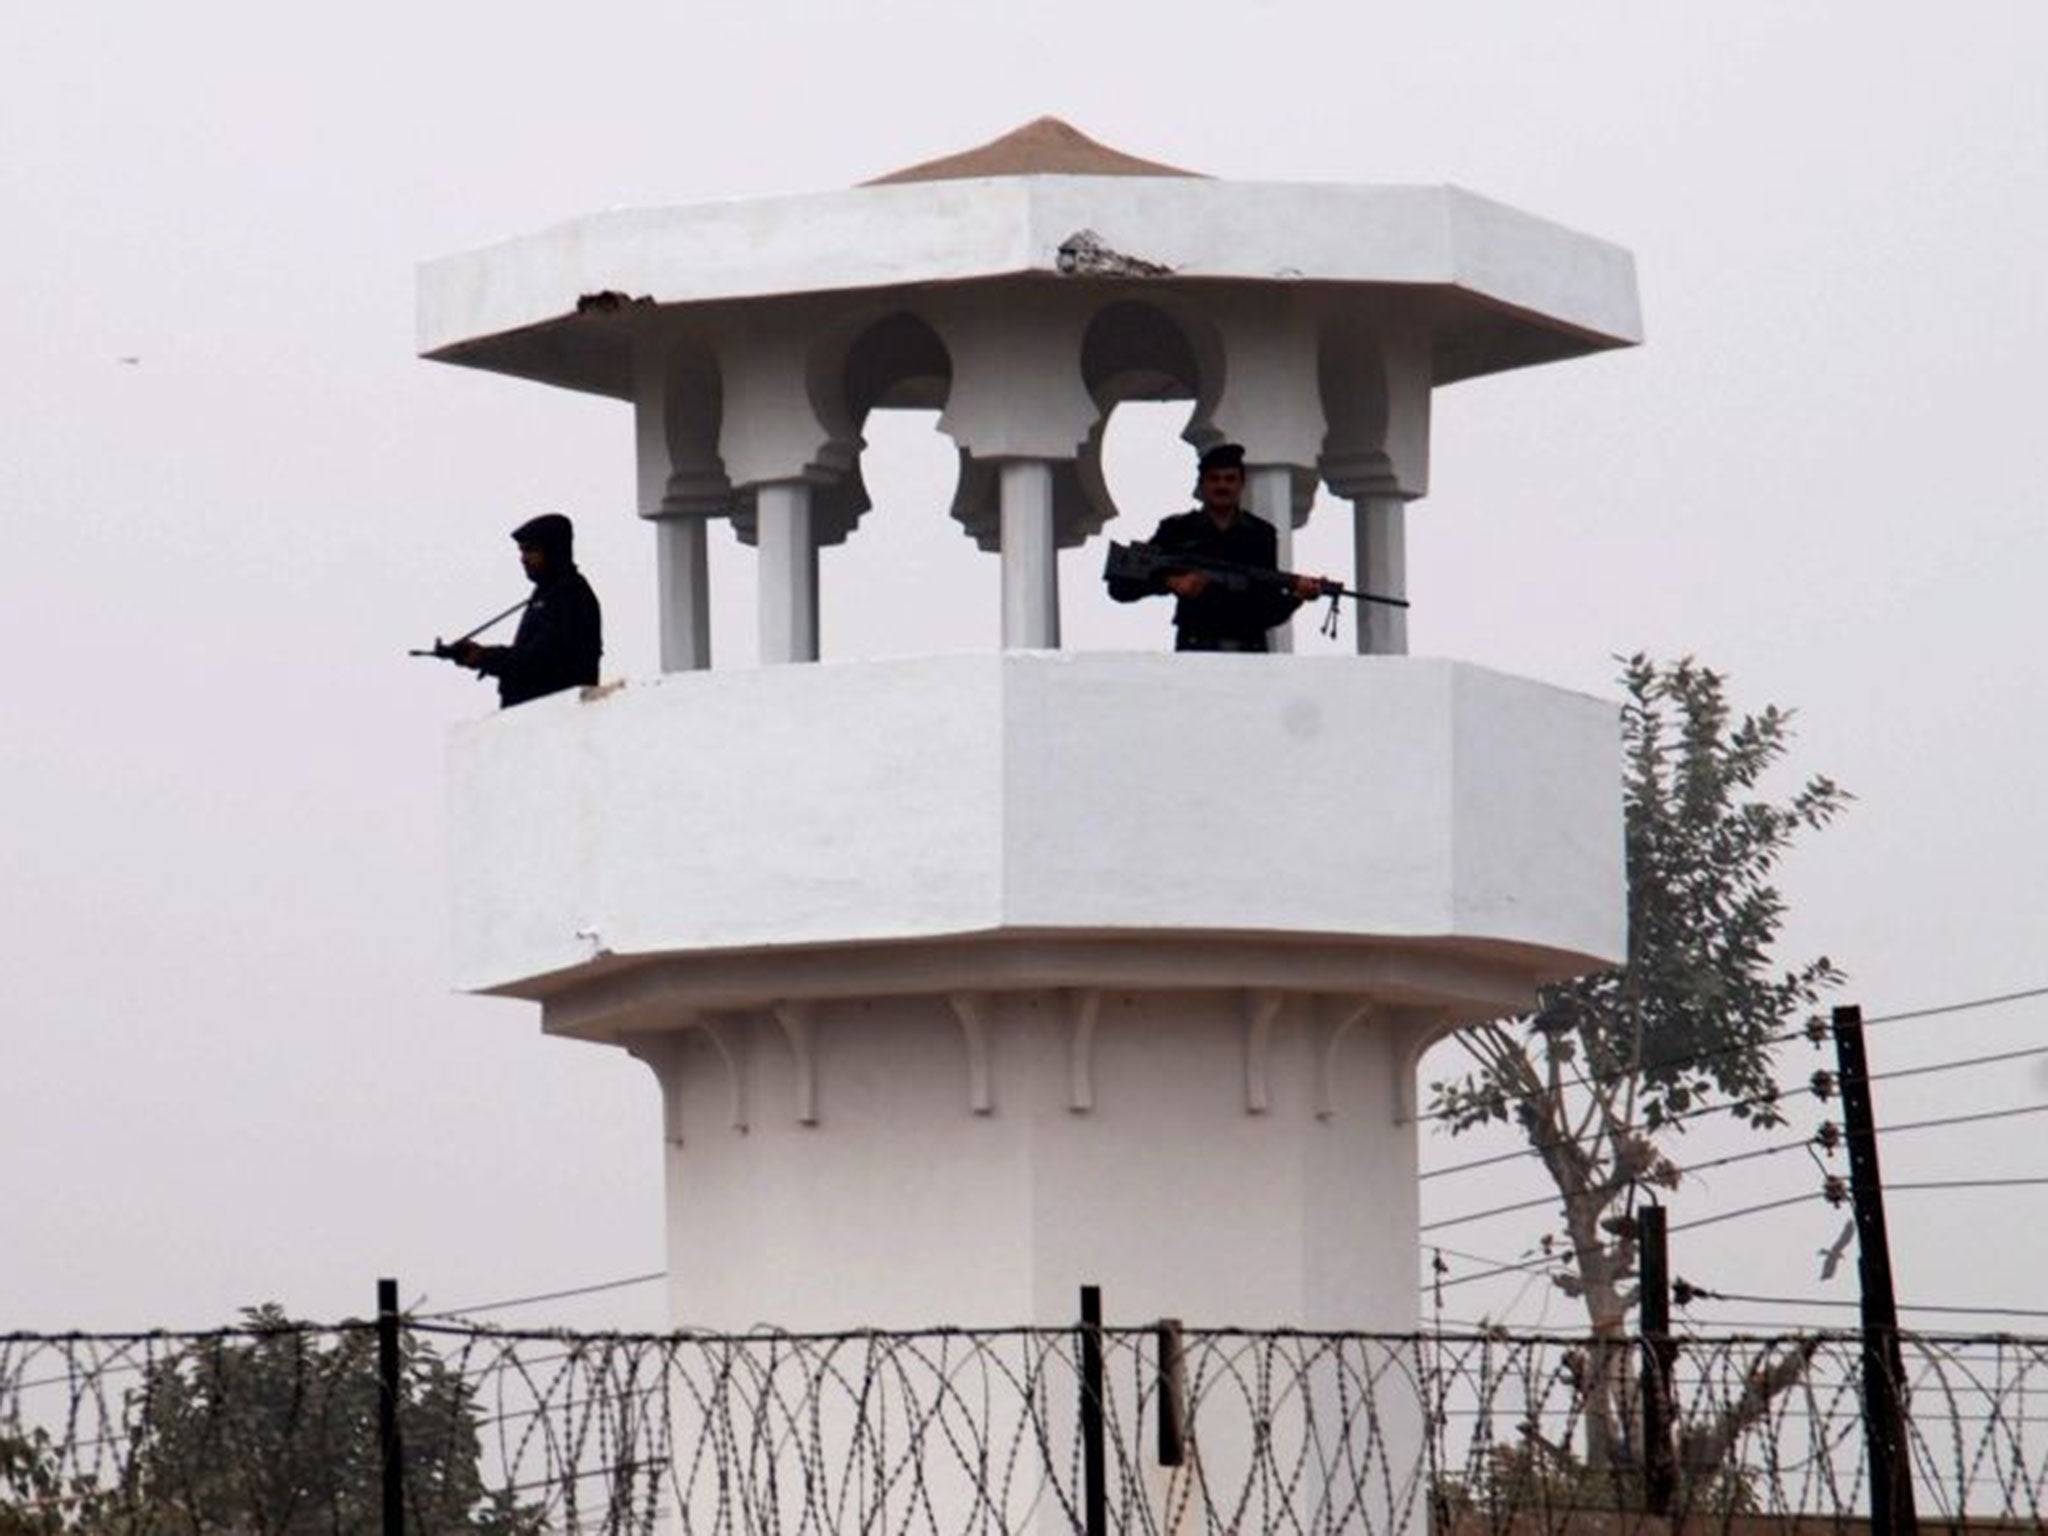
{"x":452,"y":650}
{"x":1148,"y":562}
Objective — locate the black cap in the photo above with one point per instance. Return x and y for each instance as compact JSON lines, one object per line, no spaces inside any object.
{"x":550,"y":530}
{"x":1223,"y":456}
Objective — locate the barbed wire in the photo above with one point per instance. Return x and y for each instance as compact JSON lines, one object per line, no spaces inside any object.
{"x":1288,"y":1432}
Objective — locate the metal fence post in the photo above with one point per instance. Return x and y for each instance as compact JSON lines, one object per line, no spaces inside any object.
{"x":1093,"y":1453}
{"x":390,"y":1452}
{"x":1173,"y":1394}
{"x":1884,"y":1419}
{"x":1660,"y":1354}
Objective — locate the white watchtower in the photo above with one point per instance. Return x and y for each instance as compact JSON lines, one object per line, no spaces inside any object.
{"x":971,"y":978}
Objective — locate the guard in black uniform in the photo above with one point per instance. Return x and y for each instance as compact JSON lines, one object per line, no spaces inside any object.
{"x":1206,"y":615}
{"x":561,"y":633}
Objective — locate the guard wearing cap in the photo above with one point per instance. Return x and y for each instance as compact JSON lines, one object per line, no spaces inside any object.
{"x":1206,"y":615}
{"x":561,"y":633}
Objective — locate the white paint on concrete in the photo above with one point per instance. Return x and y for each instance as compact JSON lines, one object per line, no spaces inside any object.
{"x":787,"y":560}
{"x":680,"y":485}
{"x":682,"y":558}
{"x":1016,"y":389}
{"x":799,"y":810}
{"x":1379,"y":533}
{"x":1269,"y":492}
{"x":906,"y":1205}
{"x":1031,"y":572}
{"x":960,"y":231}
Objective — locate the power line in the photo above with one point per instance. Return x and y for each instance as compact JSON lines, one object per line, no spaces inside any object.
{"x":1459,"y":1253}
{"x":1989,"y":1114}
{"x":1775,"y":1096}
{"x":1747,"y":1210}
{"x":1554,"y":1199}
{"x":527,"y":1301}
{"x":1812,"y":1030}
{"x":1963,"y":1007}
{"x":1548,"y":1261}
{"x":1773,"y":1205}
{"x":1952,"y":1066}
{"x":1904,"y":1306}
{"x":1780,"y":1095}
{"x":1622,"y":1074}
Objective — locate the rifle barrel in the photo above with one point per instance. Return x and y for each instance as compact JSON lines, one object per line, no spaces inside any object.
{"x":1138,"y":558}
{"x":1372,"y":597}
{"x":443,"y":647}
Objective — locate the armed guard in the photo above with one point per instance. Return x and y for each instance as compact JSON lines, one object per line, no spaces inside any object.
{"x":1210,"y":614}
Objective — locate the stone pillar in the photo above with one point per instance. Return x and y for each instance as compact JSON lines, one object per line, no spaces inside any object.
{"x":1377,"y":372}
{"x":1031,"y":573}
{"x":681,"y":485}
{"x":1269,"y":491}
{"x":788,"y":566}
{"x":792,"y":448}
{"x":1380,"y":544}
{"x":1017,"y":405}
{"x":683,"y":588}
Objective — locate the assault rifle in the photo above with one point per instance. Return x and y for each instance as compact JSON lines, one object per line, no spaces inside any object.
{"x":1147,"y":562}
{"x":444,"y":650}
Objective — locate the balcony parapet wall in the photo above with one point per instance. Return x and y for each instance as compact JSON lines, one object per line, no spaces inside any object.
{"x":1316,"y":814}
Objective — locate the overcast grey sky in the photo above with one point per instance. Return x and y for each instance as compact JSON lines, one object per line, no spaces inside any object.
{"x":230,"y":1068}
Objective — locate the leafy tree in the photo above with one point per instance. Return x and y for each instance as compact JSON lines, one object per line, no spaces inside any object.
{"x":275,"y":1432}
{"x":1602,"y":1079}
{"x":38,"y":1496}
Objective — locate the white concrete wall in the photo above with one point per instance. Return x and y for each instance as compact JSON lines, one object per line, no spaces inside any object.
{"x":902,"y":1206}
{"x":1091,"y":795}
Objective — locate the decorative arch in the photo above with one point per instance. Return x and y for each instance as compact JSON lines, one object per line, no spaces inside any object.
{"x":1151,"y":351}
{"x":892,"y":361}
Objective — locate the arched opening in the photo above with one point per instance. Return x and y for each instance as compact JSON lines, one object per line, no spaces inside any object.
{"x":896,"y":377}
{"x":1151,"y":371}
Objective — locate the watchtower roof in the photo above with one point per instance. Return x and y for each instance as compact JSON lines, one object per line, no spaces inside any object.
{"x":1045,"y":146}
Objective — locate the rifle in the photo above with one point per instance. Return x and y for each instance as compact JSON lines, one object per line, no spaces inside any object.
{"x":445,"y":650}
{"x":1147,"y":562}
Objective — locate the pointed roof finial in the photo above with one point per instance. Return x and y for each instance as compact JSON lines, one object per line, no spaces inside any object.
{"x":1046,"y":146}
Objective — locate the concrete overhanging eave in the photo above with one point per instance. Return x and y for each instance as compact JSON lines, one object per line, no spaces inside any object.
{"x":1547,"y":292}
{"x":593,"y":352}
{"x":1467,"y":979}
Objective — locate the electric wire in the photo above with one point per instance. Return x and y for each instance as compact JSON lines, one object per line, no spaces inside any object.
{"x":1972,"y":1119}
{"x":1810,"y":1031}
{"x":1747,"y":1210}
{"x":1962,"y":1007}
{"x":1952,"y":1066}
{"x":1553,"y":1199}
{"x":1804,"y":1090}
{"x":1949,"y":1309}
{"x":527,"y":1301}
